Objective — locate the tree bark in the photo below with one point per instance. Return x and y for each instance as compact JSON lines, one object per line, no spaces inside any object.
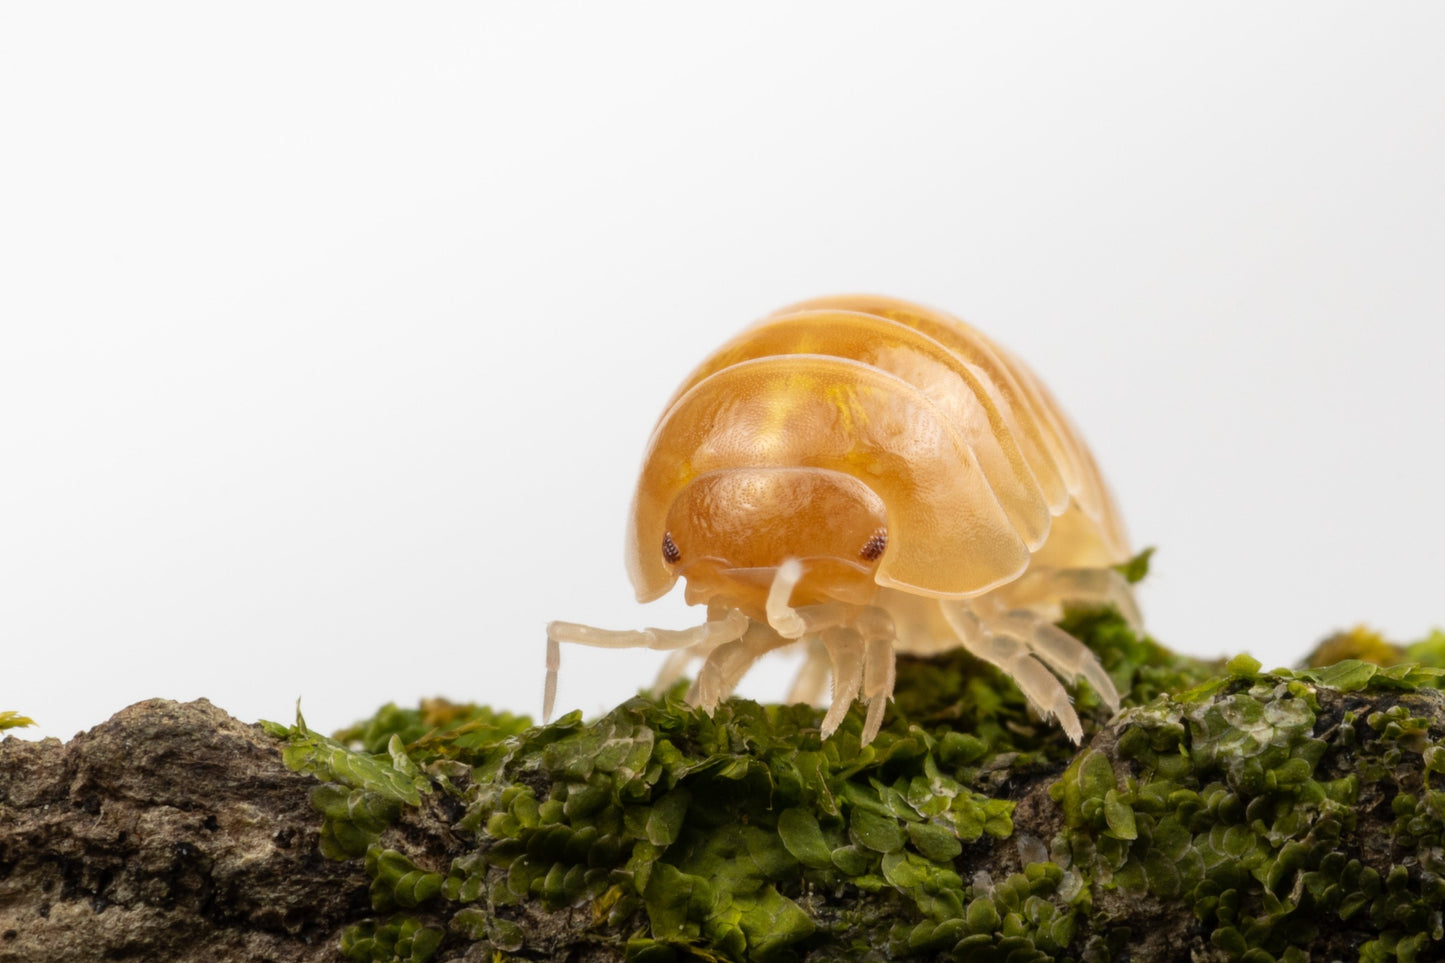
{"x":170,"y":832}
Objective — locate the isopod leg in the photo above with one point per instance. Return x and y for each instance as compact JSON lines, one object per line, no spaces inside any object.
{"x":707,"y":636}
{"x":879,"y":667}
{"x":1078,"y":586}
{"x":999,"y":644}
{"x":549,"y":688}
{"x":729,"y":662}
{"x":1060,"y":651}
{"x":676,"y":664}
{"x":813,"y":676}
{"x":863,"y":666}
{"x":845,"y":649}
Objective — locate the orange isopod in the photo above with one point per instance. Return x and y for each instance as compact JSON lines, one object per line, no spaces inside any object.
{"x":868,"y":476}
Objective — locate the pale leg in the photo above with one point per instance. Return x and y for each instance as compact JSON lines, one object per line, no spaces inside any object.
{"x":1076,"y":586}
{"x":813,"y":676}
{"x":1059,"y":650}
{"x":863,"y":666}
{"x":729,"y":662}
{"x":676,"y":664}
{"x":845,"y":648}
{"x":1002,"y":647}
{"x":710,"y":634}
{"x":879,"y":667}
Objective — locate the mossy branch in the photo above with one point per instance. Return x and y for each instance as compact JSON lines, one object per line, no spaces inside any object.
{"x":1226,"y":814}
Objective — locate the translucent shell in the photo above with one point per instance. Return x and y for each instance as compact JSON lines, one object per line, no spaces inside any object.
{"x":968,"y":451}
{"x":866,"y":476}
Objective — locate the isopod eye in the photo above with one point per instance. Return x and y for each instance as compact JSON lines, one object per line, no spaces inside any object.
{"x":875,"y":545}
{"x":669,"y":549}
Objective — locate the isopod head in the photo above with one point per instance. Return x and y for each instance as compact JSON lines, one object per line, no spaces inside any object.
{"x":728,"y":531}
{"x":847,"y":418}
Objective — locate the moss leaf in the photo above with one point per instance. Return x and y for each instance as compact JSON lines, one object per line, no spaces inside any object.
{"x":803,"y":837}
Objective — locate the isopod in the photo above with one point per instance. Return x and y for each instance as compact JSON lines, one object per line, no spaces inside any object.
{"x":866,"y":476}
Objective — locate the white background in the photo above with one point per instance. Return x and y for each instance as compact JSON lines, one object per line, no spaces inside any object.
{"x":332,"y":333}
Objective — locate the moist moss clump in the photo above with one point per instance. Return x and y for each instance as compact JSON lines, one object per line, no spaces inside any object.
{"x":10,"y":719}
{"x":1277,"y":807}
{"x":1226,"y":814}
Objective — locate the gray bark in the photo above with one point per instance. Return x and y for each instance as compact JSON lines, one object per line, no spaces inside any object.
{"x":170,"y":832}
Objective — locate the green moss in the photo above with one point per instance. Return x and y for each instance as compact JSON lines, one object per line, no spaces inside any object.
{"x":1366,"y":645}
{"x":1359,"y":643}
{"x":1234,"y":795}
{"x":400,"y":938}
{"x":10,"y":719}
{"x":1245,"y":805}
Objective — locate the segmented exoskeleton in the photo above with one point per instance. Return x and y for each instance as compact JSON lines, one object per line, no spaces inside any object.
{"x":867,"y":476}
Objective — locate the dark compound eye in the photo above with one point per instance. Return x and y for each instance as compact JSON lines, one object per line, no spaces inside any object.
{"x":875,"y":545}
{"x":669,"y":549}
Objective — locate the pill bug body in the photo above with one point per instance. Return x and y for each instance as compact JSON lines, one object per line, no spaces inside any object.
{"x":867,"y":476}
